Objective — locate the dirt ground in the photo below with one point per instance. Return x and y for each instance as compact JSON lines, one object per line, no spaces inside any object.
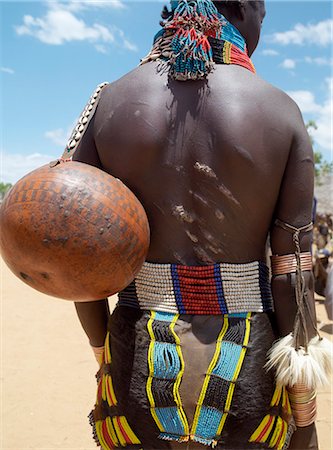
{"x":47,"y":373}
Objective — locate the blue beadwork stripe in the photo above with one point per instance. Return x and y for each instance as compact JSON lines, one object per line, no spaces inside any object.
{"x":265,"y":287}
{"x":209,"y":420}
{"x":231,"y":34}
{"x":221,"y":377}
{"x":227,"y":363}
{"x":177,"y":290}
{"x":166,"y":361}
{"x":237,"y":315}
{"x":219,"y":289}
{"x":164,"y":316}
{"x":166,"y":365}
{"x":170,"y":419}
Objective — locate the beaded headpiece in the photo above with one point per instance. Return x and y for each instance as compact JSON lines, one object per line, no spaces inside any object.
{"x":189,"y":36}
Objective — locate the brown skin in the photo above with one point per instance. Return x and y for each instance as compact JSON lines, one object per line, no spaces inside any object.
{"x":213,"y":164}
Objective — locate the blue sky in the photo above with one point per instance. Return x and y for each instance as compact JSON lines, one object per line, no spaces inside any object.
{"x":54,"y":54}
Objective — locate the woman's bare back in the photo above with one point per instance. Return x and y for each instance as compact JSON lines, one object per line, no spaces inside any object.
{"x":205,"y":158}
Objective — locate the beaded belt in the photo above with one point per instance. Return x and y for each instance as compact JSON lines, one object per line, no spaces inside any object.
{"x":215,"y":289}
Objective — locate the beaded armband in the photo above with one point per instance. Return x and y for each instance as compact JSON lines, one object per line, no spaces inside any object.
{"x":300,"y":363}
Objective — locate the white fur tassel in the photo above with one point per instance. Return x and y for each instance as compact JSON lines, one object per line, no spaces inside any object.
{"x":295,"y":366}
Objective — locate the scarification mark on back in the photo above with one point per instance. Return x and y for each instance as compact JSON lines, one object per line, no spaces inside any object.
{"x":219,"y":214}
{"x":181,"y":214}
{"x":203,"y":168}
{"x":192,"y":236}
{"x":225,"y":191}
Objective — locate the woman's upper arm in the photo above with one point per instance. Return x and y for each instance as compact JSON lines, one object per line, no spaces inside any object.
{"x":86,"y":150}
{"x":295,"y":200}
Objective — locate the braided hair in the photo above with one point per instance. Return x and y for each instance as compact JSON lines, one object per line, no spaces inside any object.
{"x":191,"y":36}
{"x":168,"y":14}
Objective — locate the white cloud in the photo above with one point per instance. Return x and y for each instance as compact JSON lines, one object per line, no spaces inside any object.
{"x":129,"y":46}
{"x":101,"y":49}
{"x":59,"y":136}
{"x":7,"y":70}
{"x":15,"y":166}
{"x":322,"y":114}
{"x":288,"y":64}
{"x":269,"y":52}
{"x":78,"y":5}
{"x":61,"y":24}
{"x":319,"y":61}
{"x":316,"y":34}
{"x":126,"y":43}
{"x":323,"y":135}
{"x":306,"y":101}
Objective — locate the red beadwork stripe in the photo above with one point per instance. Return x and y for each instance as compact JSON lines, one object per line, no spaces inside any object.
{"x":203,"y":281}
{"x":239,"y":58}
{"x":199,"y":293}
{"x":261,"y":435}
{"x":126,"y":437}
{"x":107,"y":382}
{"x":106,"y":435}
{"x":99,"y":391}
{"x":281,"y":434}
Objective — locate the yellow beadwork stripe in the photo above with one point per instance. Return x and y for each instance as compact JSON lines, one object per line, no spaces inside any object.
{"x":224,"y":417}
{"x":97,"y":396}
{"x":252,"y":65}
{"x":280,"y":395}
{"x":267,"y":433}
{"x":236,"y":373}
{"x":287,"y":401}
{"x":100,"y":436}
{"x":227,"y":53}
{"x":107,"y":350}
{"x":110,"y":394}
{"x":128,"y":430}
{"x":112,"y":428}
{"x":276,"y":396}
{"x":245,"y":343}
{"x":277,"y":441}
{"x":118,"y":432}
{"x":104,"y":387}
{"x":111,"y":431}
{"x":276,"y":432}
{"x":176,"y":385}
{"x":283,"y":437}
{"x":151,"y":370}
{"x":255,"y":436}
{"x":208,"y":374}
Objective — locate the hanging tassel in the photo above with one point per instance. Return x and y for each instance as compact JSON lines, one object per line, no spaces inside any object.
{"x":295,"y":358}
{"x":293,"y":366}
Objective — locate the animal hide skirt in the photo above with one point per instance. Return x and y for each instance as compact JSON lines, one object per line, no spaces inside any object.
{"x":186,"y":381}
